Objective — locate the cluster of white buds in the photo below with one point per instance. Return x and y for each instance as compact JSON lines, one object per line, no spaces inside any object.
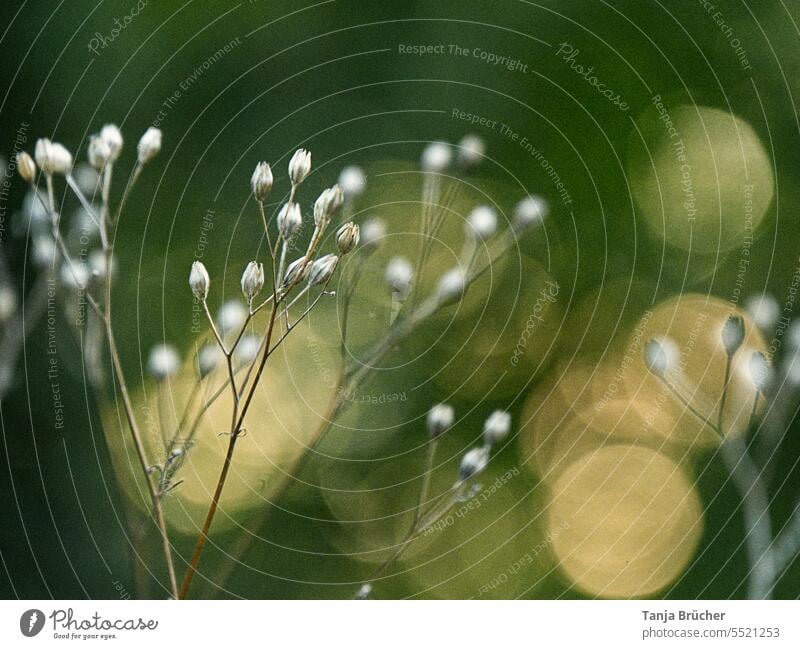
{"x":436,"y":157}
{"x":399,"y":274}
{"x":372,"y":233}
{"x":52,"y":157}
{"x":482,"y":222}
{"x":352,"y":181}
{"x":199,"y":281}
{"x":496,"y":427}
{"x":531,"y":211}
{"x":347,"y":237}
{"x":149,"y":145}
{"x":440,"y":419}
{"x":471,"y":151}
{"x":261,"y":181}
{"x":252,"y":280}
{"x":163,"y":362}
{"x":329,"y":202}
{"x":322,"y":270}
{"x":299,"y":166}
{"x":732,"y":334}
{"x":289,"y":220}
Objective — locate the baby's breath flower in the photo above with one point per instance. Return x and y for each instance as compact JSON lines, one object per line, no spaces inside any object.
{"x":496,"y":427}
{"x":149,"y":145}
{"x":440,"y":419}
{"x":261,"y":181}
{"x":289,"y":220}
{"x":322,"y":269}
{"x":436,"y":157}
{"x":398,"y":275}
{"x":329,"y":202}
{"x":372,"y":232}
{"x":352,"y":181}
{"x":531,"y":211}
{"x":52,"y":158}
{"x":452,"y":285}
{"x":299,"y":166}
{"x":26,"y":167}
{"x":208,"y":359}
{"x":347,"y":237}
{"x":471,"y":150}
{"x":296,"y":272}
{"x":163,"y":362}
{"x":199,"y":281}
{"x":99,"y":152}
{"x":252,"y":280}
{"x":759,"y":371}
{"x":473,"y":462}
{"x":732,"y":334}
{"x":482,"y":222}
{"x":113,"y":138}
{"x":231,"y":316}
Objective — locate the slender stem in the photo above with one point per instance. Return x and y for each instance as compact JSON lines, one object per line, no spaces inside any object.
{"x":725,"y":384}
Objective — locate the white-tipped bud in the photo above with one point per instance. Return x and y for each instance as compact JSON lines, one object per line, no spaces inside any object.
{"x":496,"y":427}
{"x":440,"y":419}
{"x":352,"y":181}
{"x":436,"y":157}
{"x":26,"y":167}
{"x":247,"y":349}
{"x":660,"y":355}
{"x":149,"y":145}
{"x":399,"y":274}
{"x":113,"y":138}
{"x":732,"y":334}
{"x":52,"y":158}
{"x":764,"y":309}
{"x":99,"y":153}
{"x":208,"y":359}
{"x":760,"y":371}
{"x":329,"y":202}
{"x":163,"y":362}
{"x":199,"y":281}
{"x":531,"y":211}
{"x":372,"y":233}
{"x":482,"y":222}
{"x":252,"y":280}
{"x":231,"y":316}
{"x":471,"y":150}
{"x":452,"y":286}
{"x":261,"y":181}
{"x":473,"y":462}
{"x":347,"y":237}
{"x":289,"y":220}
{"x":296,"y":272}
{"x":299,"y":166}
{"x":322,"y":270}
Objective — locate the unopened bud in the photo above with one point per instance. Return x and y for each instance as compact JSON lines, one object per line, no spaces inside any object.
{"x":531,"y":211}
{"x":659,"y":355}
{"x":352,"y":181}
{"x":440,"y":419}
{"x":322,"y":270}
{"x":329,"y":202}
{"x":99,"y":153}
{"x":252,"y":280}
{"x":372,"y":233}
{"x":471,"y":150}
{"x":52,"y":158}
{"x":296,"y":272}
{"x":299,"y":166}
{"x":261,"y":181}
{"x":289,"y":220}
{"x":347,"y":237}
{"x":764,"y":309}
{"x":496,"y":427}
{"x":163,"y":362}
{"x":732,"y":334}
{"x":113,"y":138}
{"x":473,"y":462}
{"x":149,"y":145}
{"x":482,"y":222}
{"x":231,"y":316}
{"x":26,"y":167}
{"x":436,"y":157}
{"x":398,"y":275}
{"x":199,"y":280}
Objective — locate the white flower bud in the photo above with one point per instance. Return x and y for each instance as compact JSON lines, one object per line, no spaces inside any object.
{"x":99,"y":153}
{"x":452,"y":285}
{"x":261,"y":181}
{"x":26,"y":167}
{"x":97,"y":264}
{"x":231,"y":316}
{"x":208,"y":359}
{"x":112,"y":136}
{"x":764,"y":309}
{"x":289,"y":220}
{"x":347,"y":237}
{"x":322,"y":270}
{"x":399,"y":274}
{"x":732,"y":334}
{"x":496,"y":427}
{"x":149,"y":145}
{"x":531,"y":211}
{"x":199,"y":281}
{"x":352,"y":181}
{"x":163,"y":362}
{"x":52,"y":158}
{"x":247,"y":349}
{"x":329,"y":202}
{"x":296,"y":272}
{"x":372,"y":233}
{"x":471,"y":150}
{"x":473,"y":462}
{"x":760,"y":371}
{"x":252,"y":280}
{"x":440,"y":419}
{"x":299,"y":166}
{"x":482,"y":222}
{"x":660,"y":355}
{"x":436,"y":157}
